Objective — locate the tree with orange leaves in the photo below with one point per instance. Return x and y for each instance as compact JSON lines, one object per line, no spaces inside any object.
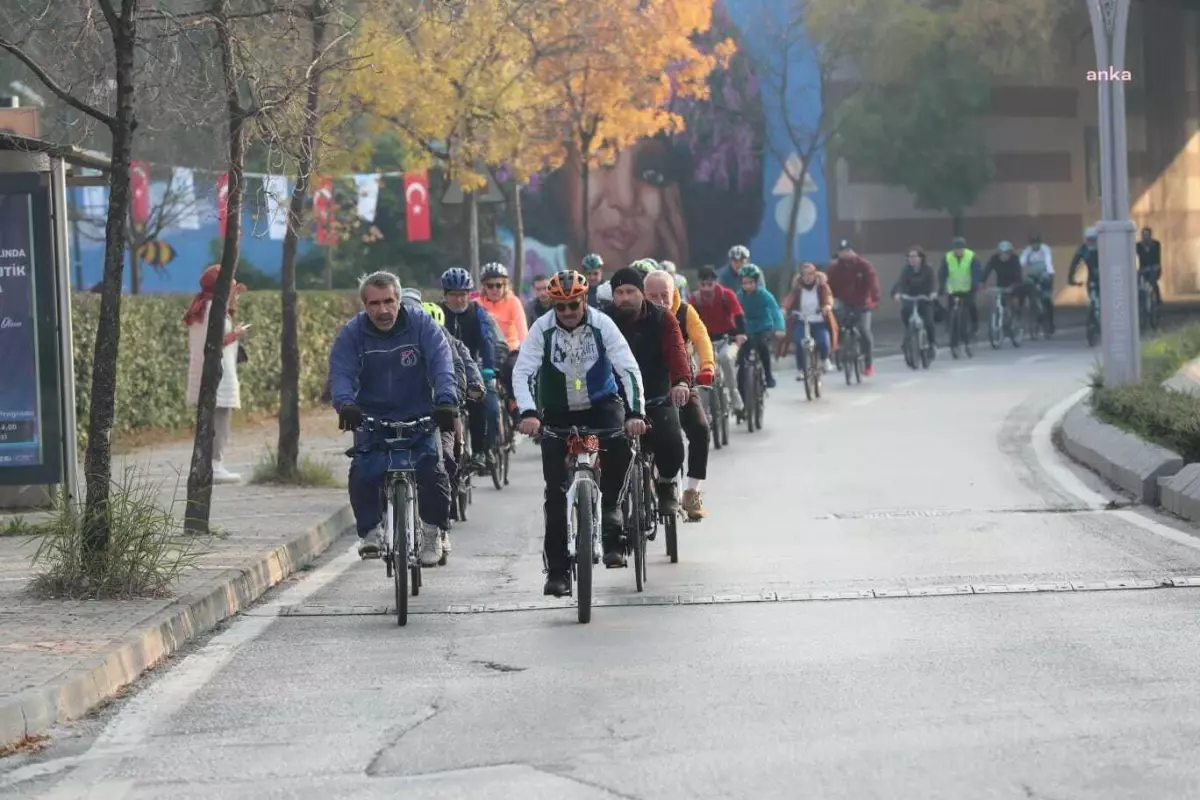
{"x":614,"y":69}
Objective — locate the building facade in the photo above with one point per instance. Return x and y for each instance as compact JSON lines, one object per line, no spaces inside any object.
{"x":1046,"y":150}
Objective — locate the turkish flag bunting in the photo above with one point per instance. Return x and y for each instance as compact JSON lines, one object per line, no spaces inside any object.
{"x":223,"y":201}
{"x":139,"y":185}
{"x":323,"y":212}
{"x":416,"y":200}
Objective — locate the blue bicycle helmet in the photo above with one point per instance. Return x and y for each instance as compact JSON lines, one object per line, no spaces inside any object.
{"x":457,"y":279}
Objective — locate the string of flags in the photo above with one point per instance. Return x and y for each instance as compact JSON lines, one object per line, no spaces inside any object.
{"x":175,"y":203}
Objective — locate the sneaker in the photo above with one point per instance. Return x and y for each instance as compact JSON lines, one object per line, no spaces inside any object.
{"x":826,"y":366}
{"x":693,"y":505}
{"x":771,"y":382}
{"x":445,"y":548}
{"x":558,"y":584}
{"x":667,"y":503}
{"x":431,"y":547}
{"x":613,"y":559}
{"x":368,"y":543}
{"x":869,"y":371}
{"x":222,"y":475}
{"x":799,"y":377}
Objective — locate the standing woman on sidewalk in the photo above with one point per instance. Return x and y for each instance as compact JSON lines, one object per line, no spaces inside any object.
{"x":228,"y":391}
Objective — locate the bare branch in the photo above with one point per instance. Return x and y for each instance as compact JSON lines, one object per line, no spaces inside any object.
{"x":54,"y":86}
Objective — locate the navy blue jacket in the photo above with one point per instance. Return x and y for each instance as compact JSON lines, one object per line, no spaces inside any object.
{"x":472,"y":328}
{"x":398,"y":375}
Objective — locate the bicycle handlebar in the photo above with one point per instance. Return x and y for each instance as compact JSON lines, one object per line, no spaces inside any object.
{"x":369,"y":424}
{"x":929,"y":298}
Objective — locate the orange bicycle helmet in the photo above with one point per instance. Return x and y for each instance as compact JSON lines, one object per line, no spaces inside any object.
{"x":567,"y":285}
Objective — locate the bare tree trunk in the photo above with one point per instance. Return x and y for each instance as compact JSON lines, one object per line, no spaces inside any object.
{"x":199,"y":487}
{"x":585,"y":175}
{"x":135,"y":271}
{"x":287,"y":452}
{"x":98,"y":458}
{"x":518,"y":239}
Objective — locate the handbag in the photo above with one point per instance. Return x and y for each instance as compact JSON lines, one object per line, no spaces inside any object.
{"x":242,"y":358}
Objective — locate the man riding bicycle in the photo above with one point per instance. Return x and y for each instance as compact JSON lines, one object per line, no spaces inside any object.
{"x":1089,"y":254}
{"x":960,"y":278}
{"x":855,"y":285}
{"x":1038,"y":261}
{"x":917,"y":280}
{"x":1149,"y":257}
{"x":657,"y":344}
{"x":469,"y":385}
{"x":593,"y":268}
{"x":1009,"y":276}
{"x":764,"y":320}
{"x":730,"y":274}
{"x":471,"y":324}
{"x":392,"y":363}
{"x":583,"y":368}
{"x":725,"y":321}
{"x":660,"y":290}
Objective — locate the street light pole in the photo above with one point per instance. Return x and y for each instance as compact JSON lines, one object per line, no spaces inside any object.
{"x":1115,"y":233}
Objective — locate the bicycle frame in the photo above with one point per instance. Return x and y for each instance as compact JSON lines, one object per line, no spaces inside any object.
{"x":399,"y":477}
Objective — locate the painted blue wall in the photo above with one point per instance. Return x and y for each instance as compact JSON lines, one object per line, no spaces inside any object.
{"x":192,"y":247}
{"x":755,"y":18}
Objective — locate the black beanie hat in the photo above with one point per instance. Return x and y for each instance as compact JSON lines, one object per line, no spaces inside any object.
{"x":627,"y":276}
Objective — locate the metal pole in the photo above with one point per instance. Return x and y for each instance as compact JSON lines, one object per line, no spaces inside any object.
{"x":473,"y":216}
{"x":1115,"y":233}
{"x":66,"y":343}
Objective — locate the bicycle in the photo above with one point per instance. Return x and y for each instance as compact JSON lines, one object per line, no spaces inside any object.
{"x":461,"y":491}
{"x":1149,"y":302}
{"x":1037,"y":289}
{"x":715,"y":401}
{"x":1003,"y":323}
{"x":960,"y":335}
{"x":401,"y":513}
{"x":812,"y":367}
{"x":917,"y":350}
{"x":503,"y":446}
{"x":583,"y":508}
{"x":849,"y":354}
{"x":755,"y":381}
{"x":642,"y":513}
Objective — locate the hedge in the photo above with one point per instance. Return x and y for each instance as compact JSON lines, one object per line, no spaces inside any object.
{"x":1164,"y":416}
{"x":153,"y":364}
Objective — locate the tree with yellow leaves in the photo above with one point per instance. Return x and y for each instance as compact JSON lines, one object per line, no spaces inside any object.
{"x":614,"y":69}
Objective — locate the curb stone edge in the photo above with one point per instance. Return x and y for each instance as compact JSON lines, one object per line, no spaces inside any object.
{"x":94,"y":681}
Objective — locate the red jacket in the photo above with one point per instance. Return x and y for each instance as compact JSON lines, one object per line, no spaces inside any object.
{"x":657,"y":344}
{"x":854,"y":282}
{"x":719,"y":312}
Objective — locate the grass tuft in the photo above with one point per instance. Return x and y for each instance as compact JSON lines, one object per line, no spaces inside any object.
{"x":310,"y":473}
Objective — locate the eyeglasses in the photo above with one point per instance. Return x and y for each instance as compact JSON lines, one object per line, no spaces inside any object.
{"x":573,"y":306}
{"x":497,"y":285}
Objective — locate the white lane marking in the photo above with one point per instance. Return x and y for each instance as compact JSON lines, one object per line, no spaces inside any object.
{"x":1054,"y":464}
{"x":1032,"y":359}
{"x":906,"y":384}
{"x":866,"y":400}
{"x":129,"y":730}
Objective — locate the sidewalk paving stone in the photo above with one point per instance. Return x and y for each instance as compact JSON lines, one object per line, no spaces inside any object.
{"x":62,"y":658}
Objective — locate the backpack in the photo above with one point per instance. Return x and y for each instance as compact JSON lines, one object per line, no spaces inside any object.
{"x":681,"y":318}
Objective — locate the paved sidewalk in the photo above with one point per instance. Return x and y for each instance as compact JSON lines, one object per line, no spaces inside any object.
{"x":60,"y":659}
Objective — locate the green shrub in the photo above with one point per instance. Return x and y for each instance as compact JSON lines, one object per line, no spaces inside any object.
{"x":1157,"y":414}
{"x":153,"y":363}
{"x":1164,"y":355}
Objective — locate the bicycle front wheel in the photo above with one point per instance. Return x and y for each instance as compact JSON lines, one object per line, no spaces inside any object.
{"x":585,"y":503}
{"x":996,"y":330}
{"x":399,"y":548}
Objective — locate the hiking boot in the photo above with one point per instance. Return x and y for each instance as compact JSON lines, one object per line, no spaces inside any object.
{"x":667,"y":502}
{"x":693,"y":505}
{"x":368,"y":543}
{"x":558,"y":583}
{"x":431,"y":547}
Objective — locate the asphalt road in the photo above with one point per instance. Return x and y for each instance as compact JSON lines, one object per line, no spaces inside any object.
{"x":730,"y":678}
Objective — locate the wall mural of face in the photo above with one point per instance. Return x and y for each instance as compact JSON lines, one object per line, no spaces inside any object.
{"x":684,"y":197}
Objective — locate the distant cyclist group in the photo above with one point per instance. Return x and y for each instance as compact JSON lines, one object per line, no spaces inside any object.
{"x":434,"y":391}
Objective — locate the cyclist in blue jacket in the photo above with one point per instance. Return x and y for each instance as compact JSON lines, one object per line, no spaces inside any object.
{"x":471,"y":324}
{"x":391,"y":363}
{"x":764,"y":319}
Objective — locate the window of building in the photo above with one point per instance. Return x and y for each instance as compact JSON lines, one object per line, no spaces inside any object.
{"x":1091,"y":162}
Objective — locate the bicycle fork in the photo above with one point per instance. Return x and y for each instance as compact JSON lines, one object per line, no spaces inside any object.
{"x":572,"y":498}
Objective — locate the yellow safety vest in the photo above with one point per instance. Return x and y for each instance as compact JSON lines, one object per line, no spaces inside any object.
{"x":958,"y":279}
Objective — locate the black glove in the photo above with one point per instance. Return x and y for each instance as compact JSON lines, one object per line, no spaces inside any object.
{"x":445,"y":416}
{"x":349,"y":417}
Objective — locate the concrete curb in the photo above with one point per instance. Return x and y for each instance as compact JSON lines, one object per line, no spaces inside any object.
{"x":1119,"y":457}
{"x":93,"y":682}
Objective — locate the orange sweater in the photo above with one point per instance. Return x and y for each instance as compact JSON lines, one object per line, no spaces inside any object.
{"x":509,"y":314}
